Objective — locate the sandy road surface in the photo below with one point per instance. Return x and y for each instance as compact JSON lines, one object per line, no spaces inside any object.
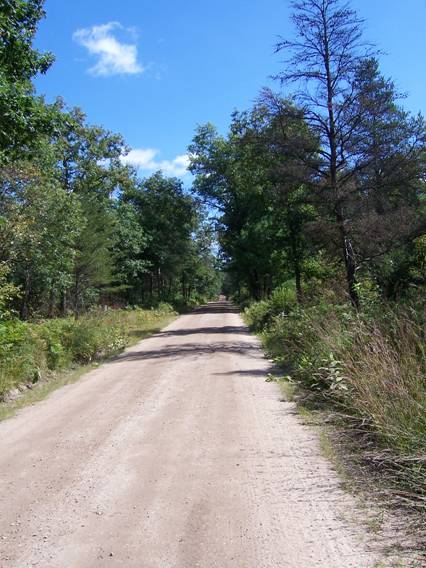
{"x":177,"y":454}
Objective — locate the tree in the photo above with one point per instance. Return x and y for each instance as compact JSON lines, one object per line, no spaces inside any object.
{"x":368,"y":145}
{"x":255,"y":178}
{"x":200,"y":277}
{"x":86,"y":162}
{"x":18,"y":22}
{"x":326,"y":54}
{"x":8,"y":292}
{"x":22,"y":114}
{"x":94,"y":259}
{"x":387,"y":146}
{"x":167,"y":216}
{"x":227,"y":179}
{"x":130,"y":252}
{"x":290,"y":151}
{"x":41,"y":223}
{"x":76,"y":224}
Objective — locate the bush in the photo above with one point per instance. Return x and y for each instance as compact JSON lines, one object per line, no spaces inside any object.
{"x":53,"y":334}
{"x":22,"y":355}
{"x":259,"y":315}
{"x":164,"y":308}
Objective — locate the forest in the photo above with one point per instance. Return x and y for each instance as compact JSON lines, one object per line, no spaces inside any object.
{"x":309,"y":213}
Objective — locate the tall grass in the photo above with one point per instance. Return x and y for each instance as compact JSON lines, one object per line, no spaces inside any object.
{"x":385,"y":371}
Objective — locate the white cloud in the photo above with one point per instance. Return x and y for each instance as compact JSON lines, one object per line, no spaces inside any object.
{"x":147,"y":159}
{"x":114,"y":57}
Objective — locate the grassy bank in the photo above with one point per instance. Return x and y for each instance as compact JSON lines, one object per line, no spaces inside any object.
{"x":366,"y":373}
{"x":32,"y":352}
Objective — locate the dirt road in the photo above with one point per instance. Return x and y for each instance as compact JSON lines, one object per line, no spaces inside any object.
{"x":177,"y":454}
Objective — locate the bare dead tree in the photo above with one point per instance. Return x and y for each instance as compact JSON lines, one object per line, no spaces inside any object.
{"x":322,"y":63}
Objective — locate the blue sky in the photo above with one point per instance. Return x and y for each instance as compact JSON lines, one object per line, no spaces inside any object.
{"x":153,"y":70}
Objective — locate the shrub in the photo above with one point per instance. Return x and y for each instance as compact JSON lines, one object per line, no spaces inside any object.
{"x":259,"y":315}
{"x":90,"y":338}
{"x":165,"y":308}
{"x":53,"y":333}
{"x":22,"y":355}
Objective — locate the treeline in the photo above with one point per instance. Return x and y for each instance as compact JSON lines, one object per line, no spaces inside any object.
{"x":321,"y":207}
{"x":295,"y":202}
{"x":78,"y":228}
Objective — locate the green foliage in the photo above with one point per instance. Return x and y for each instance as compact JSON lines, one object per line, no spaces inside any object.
{"x":171,"y":256}
{"x":129,"y":250}
{"x":18,"y":22}
{"x":94,"y":262}
{"x":43,"y":221}
{"x":77,"y":228}
{"x":87,"y":342}
{"x":23,"y":115}
{"x":8,"y":292}
{"x":21,"y":355}
{"x":249,"y":176}
{"x":259,"y":315}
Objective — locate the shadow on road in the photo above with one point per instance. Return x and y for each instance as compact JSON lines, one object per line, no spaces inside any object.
{"x":222,"y":307}
{"x":194,"y":350}
{"x":226,"y":329}
{"x":203,"y":344}
{"x":206,"y":341}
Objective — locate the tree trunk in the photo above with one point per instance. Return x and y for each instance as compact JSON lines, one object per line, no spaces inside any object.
{"x":350,"y":261}
{"x":142,"y":290}
{"x":298,"y":277}
{"x":158,"y":284}
{"x":296,"y":263}
{"x":25,"y":299}
{"x":52,"y":298}
{"x":77,"y":295}
{"x":63,"y":303}
{"x":183,"y":285}
{"x":347,"y":250}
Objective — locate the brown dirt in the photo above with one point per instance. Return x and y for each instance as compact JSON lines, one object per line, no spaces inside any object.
{"x":176,"y":454}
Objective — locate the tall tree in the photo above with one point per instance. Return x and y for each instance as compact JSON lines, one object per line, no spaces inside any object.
{"x":130,"y":252}
{"x":230,"y":177}
{"x":167,"y":215}
{"x":370,"y":148}
{"x":22,"y":114}
{"x":388,"y":148}
{"x":85,"y":160}
{"x":326,"y":54}
{"x":41,"y":223}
